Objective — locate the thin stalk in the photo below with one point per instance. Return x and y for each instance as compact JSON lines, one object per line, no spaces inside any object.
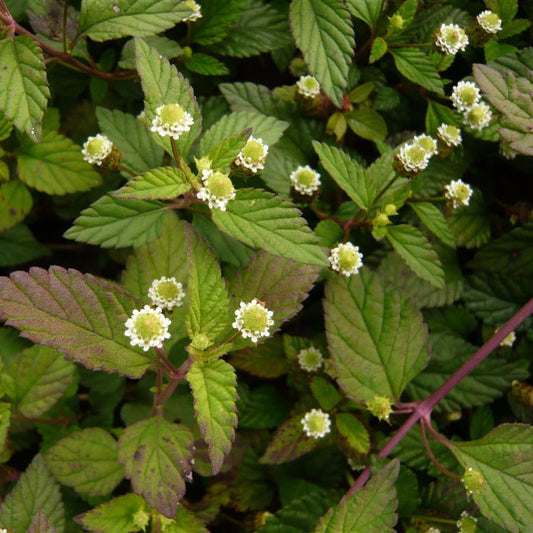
{"x":64,"y":26}
{"x":386,"y":188}
{"x":432,"y":457}
{"x":127,"y":169}
{"x":175,"y":153}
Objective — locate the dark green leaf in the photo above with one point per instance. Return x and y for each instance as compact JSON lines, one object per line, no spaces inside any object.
{"x":206,"y":65}
{"x":416,"y":66}
{"x":366,"y":10}
{"x":15,"y":203}
{"x":434,"y":220}
{"x":165,"y":183}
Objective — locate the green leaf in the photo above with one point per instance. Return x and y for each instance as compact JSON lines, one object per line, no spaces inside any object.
{"x":366,"y":10}
{"x":165,"y":183}
{"x":354,"y":431}
{"x":416,"y":66}
{"x":320,"y":26}
{"x":79,"y":315}
{"x":102,"y":20}
{"x":24,"y":89}
{"x":214,"y":389}
{"x":206,"y":65}
{"x":165,"y":46}
{"x":382,"y":173}
{"x":118,"y":515}
{"x":378,"y":50}
{"x":206,"y":290}
{"x":185,"y":522}
{"x":470,"y":225}
{"x":5,"y":127}
{"x":513,"y":27}
{"x":266,"y":360}
{"x":372,"y":509}
{"x":35,"y":491}
{"x":163,"y":84}
{"x":5,"y":419}
{"x":438,"y":114}
{"x":325,"y":392}
{"x":376,"y":338}
{"x":55,"y":166}
{"x":505,"y":458}
{"x":224,"y":153}
{"x":156,"y":456}
{"x":217,"y":20}
{"x":249,"y":97}
{"x":40,"y":377}
{"x":117,"y":223}
{"x":87,"y":461}
{"x":40,"y":524}
{"x":261,"y":408}
{"x":15,"y":203}
{"x":367,"y":123}
{"x":432,"y":217}
{"x":139,"y":151}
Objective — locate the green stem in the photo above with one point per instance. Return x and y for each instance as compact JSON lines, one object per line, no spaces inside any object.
{"x":175,"y":153}
{"x":386,"y":188}
{"x":64,"y":26}
{"x":127,"y":169}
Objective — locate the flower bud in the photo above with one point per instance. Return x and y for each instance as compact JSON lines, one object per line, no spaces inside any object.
{"x":473,"y":480}
{"x":380,"y":407}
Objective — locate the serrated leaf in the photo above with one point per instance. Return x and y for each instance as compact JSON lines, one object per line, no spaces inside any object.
{"x":225,"y":152}
{"x":392,"y":188}
{"x":261,"y":408}
{"x":206,"y":65}
{"x":372,"y":509}
{"x":378,"y":50}
{"x":117,"y":223}
{"x":325,"y":392}
{"x":366,"y":10}
{"x":130,"y":135}
{"x":87,"y":461}
{"x":165,"y":46}
{"x":79,"y":315}
{"x":185,"y":522}
{"x":349,"y":175}
{"x":432,"y":217}
{"x":35,"y":491}
{"x":505,"y":458}
{"x":102,"y":20}
{"x":41,"y":524}
{"x":354,"y":431}
{"x":163,"y":84}
{"x":24,"y":89}
{"x":55,"y":166}
{"x":320,"y":26}
{"x":470,"y":225}
{"x":118,"y":515}
{"x":214,"y":389}
{"x":5,"y":418}
{"x":262,"y":220}
{"x":215,"y":24}
{"x":367,"y":123}
{"x":165,"y":183}
{"x":266,"y":360}
{"x":438,"y":114}
{"x":40,"y":377}
{"x":416,"y":66}
{"x":376,"y":338}
{"x":15,"y":203}
{"x":156,"y":456}
{"x":249,"y":97}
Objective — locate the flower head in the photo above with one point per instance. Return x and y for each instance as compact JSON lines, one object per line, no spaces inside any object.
{"x":305,"y":180}
{"x":412,"y":158}
{"x":147,"y":328}
{"x":464,"y":95}
{"x":217,"y":189}
{"x":427,"y":143}
{"x":253,"y":155}
{"x":380,"y":407}
{"x":467,"y":523}
{"x":473,"y":480}
{"x":449,"y":135}
{"x":316,"y":423}
{"x":346,"y":259}
{"x":433,"y":529}
{"x":97,"y":149}
{"x":196,"y":11}
{"x":451,"y":38}
{"x":310,"y":359}
{"x":253,"y":320}
{"x":489,"y":21}
{"x":166,"y":293}
{"x":458,"y":193}
{"x":478,"y":116}
{"x":171,"y":120}
{"x":509,"y":340}
{"x":308,"y":86}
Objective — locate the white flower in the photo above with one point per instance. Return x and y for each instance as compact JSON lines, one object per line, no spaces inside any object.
{"x":478,"y":116}
{"x":147,"y":328}
{"x":433,"y":530}
{"x":451,"y":39}
{"x":449,"y":135}
{"x":305,"y":180}
{"x":458,"y":192}
{"x":253,"y":320}
{"x":196,"y":11}
{"x":489,"y":21}
{"x":308,"y":86}
{"x":217,"y":189}
{"x":467,"y":523}
{"x":253,"y":155}
{"x":509,"y":340}
{"x":316,"y":423}
{"x":412,"y":158}
{"x":171,"y":120}
{"x":96,"y":149}
{"x":464,"y":95}
{"x":427,"y":143}
{"x":310,"y":359}
{"x":346,"y":259}
{"x":166,"y":293}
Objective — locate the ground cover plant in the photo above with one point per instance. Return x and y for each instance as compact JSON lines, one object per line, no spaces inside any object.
{"x":266,"y":266}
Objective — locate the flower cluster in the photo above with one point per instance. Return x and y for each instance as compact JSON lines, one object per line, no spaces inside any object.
{"x":473,"y":480}
{"x":166,"y":293}
{"x":316,"y":423}
{"x":466,"y":523}
{"x":509,"y":340}
{"x":310,"y":359}
{"x":253,"y":155}
{"x":171,"y":120}
{"x":466,"y":98}
{"x":413,"y":156}
{"x":97,"y":149}
{"x":196,"y":11}
{"x":308,"y":86}
{"x":346,"y":259}
{"x":449,"y":135}
{"x":253,"y":320}
{"x":380,"y":407}
{"x":305,"y":180}
{"x":217,"y":189}
{"x":489,"y":22}
{"x":458,"y":193}
{"x":451,"y":38}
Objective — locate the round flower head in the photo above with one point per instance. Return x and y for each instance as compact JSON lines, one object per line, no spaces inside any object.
{"x":305,"y":180}
{"x":449,"y":135}
{"x":308,"y":86}
{"x":346,"y":259}
{"x":433,"y":529}
{"x":427,"y":143}
{"x":464,"y":95}
{"x":196,"y":11}
{"x":509,"y":340}
{"x":467,"y":523}
{"x":412,"y":158}
{"x":380,"y":407}
{"x":310,"y":359}
{"x":217,"y":189}
{"x":253,"y":155}
{"x":171,"y":120}
{"x":166,"y":293}
{"x":473,"y":480}
{"x":316,"y":423}
{"x":489,"y":21}
{"x":478,"y":116}
{"x":147,"y":328}
{"x":451,"y":39}
{"x":458,"y":193}
{"x":96,"y":149}
{"x":253,"y":320}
